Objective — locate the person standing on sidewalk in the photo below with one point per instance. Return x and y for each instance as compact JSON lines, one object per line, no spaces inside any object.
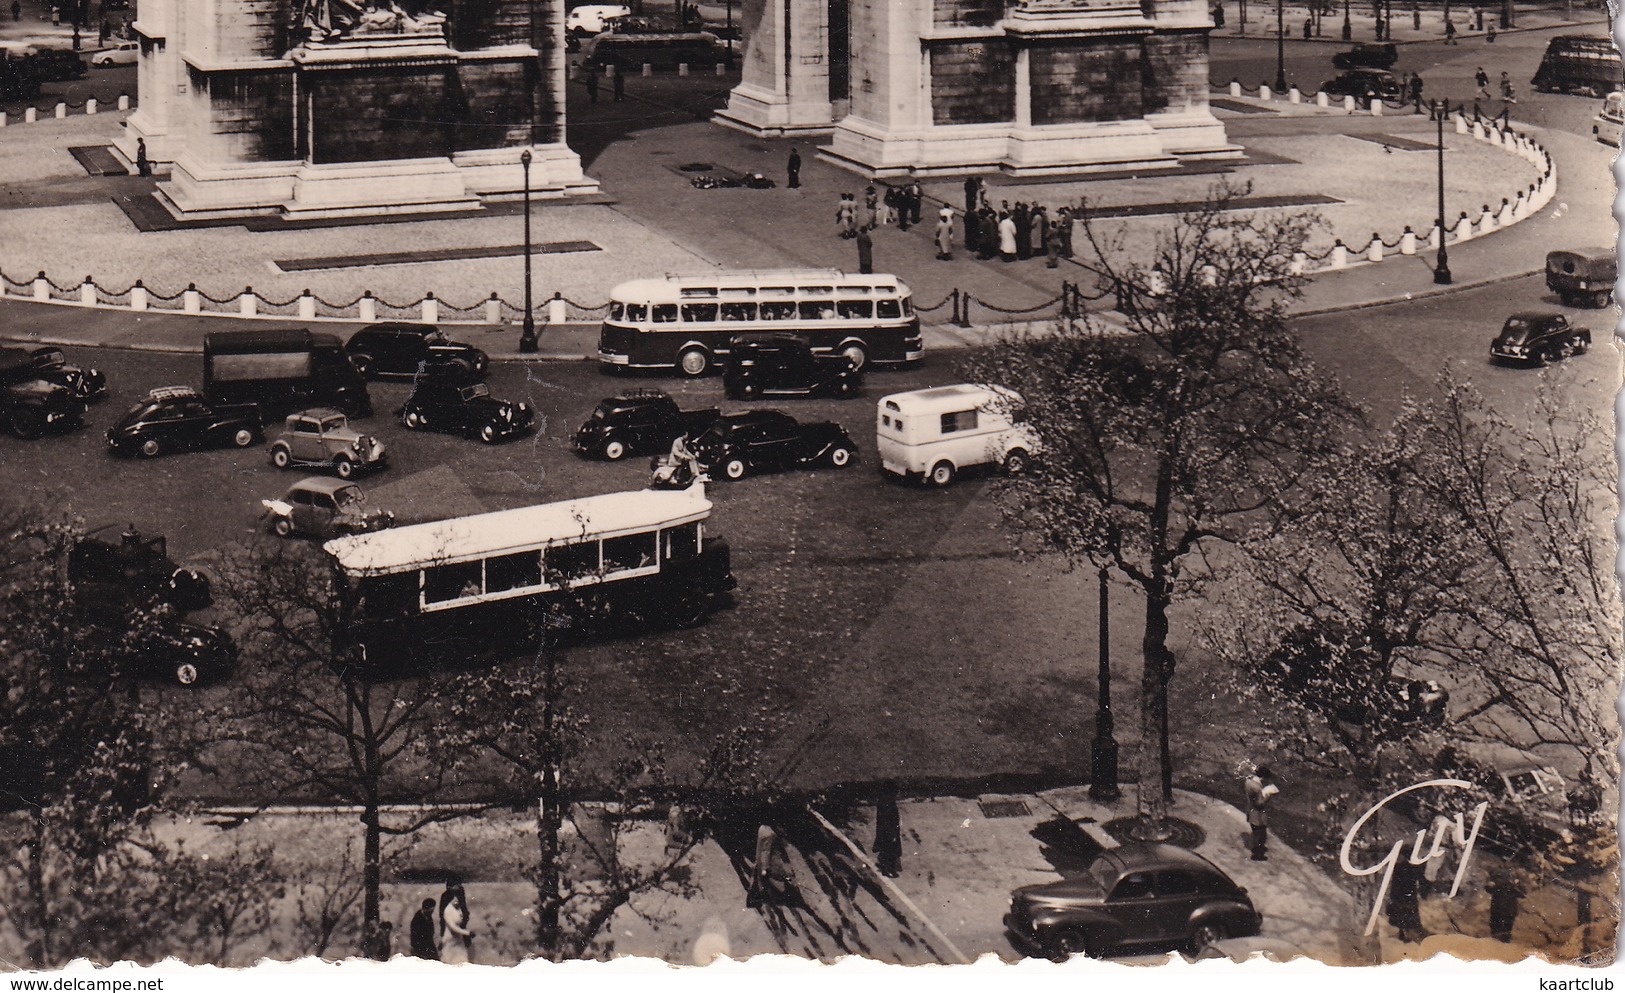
{"x":1261,"y":788}
{"x":1053,"y":244}
{"x":421,"y":935}
{"x":846,"y":216}
{"x":456,"y":940}
{"x":1007,"y":236}
{"x":866,"y":251}
{"x":973,"y":191}
{"x":916,"y":198}
{"x":793,"y":169}
{"x":945,"y":234}
{"x":1507,"y":92}
{"x":1063,"y":220}
{"x":143,"y":165}
{"x":1449,"y":31}
{"x":1416,"y":90}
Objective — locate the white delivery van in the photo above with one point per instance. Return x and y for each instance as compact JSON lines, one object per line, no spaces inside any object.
{"x":935,"y":433}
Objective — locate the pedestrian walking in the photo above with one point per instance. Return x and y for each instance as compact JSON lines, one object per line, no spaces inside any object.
{"x":1308,"y":29}
{"x":1482,"y":78}
{"x":1489,"y":35}
{"x":1449,"y":31}
{"x":846,"y":216}
{"x":793,"y":169}
{"x":620,"y":84}
{"x":56,"y":17}
{"x":1504,"y":894}
{"x":1218,"y":15}
{"x":896,"y":212}
{"x":945,"y":234}
{"x":1260,"y":788}
{"x":1404,"y":909}
{"x":1416,"y":90}
{"x":592,"y":84}
{"x":143,"y":165}
{"x":420,"y":936}
{"x":866,"y":252}
{"x":916,"y":198}
{"x":1007,"y":236}
{"x":1507,"y":92}
{"x":105,"y":33}
{"x":869,"y":214}
{"x":456,"y":940}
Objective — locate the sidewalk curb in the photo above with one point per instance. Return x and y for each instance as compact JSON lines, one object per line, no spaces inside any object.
{"x":1410,"y":297}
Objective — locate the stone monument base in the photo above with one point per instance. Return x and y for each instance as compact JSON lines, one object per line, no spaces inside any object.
{"x":768,"y":114}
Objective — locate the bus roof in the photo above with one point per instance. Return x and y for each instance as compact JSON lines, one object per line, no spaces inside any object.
{"x":940,"y":399}
{"x":669,"y":287}
{"x":481,"y":535}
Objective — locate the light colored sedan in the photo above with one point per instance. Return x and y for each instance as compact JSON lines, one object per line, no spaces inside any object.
{"x":125,"y":53}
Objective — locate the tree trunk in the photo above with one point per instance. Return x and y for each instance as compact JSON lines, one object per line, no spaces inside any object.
{"x":371,"y":868}
{"x":549,"y":818}
{"x":43,"y":949}
{"x":1155,"y":772}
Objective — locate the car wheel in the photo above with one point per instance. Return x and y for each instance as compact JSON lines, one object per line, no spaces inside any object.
{"x":344,"y":466}
{"x":856,"y":354}
{"x":1203,"y":937}
{"x":942,"y":474}
{"x":1015,"y":462}
{"x":281,"y":457}
{"x":282,"y":526}
{"x":26,"y":423}
{"x":413,"y":420}
{"x":840,"y":456}
{"x":1580,"y":346}
{"x":465,"y":370}
{"x":1069,"y":943}
{"x":488,"y":434}
{"x":1602,"y":298}
{"x":363,"y":365}
{"x":694,"y":362}
{"x":186,"y":673}
{"x":242,"y":438}
{"x":613,"y":450}
{"x":1543,"y":357}
{"x":151,"y":448}
{"x":735,"y":468}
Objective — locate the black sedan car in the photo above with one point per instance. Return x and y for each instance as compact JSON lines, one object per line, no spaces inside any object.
{"x":636,"y":422}
{"x":1364,"y":85}
{"x":444,"y":404}
{"x":396,"y":349}
{"x":1137,"y":896}
{"x":178,"y":417}
{"x":1538,"y":338}
{"x":738,"y":444}
{"x":785,"y":365}
{"x":1367,"y":56}
{"x":88,"y":385}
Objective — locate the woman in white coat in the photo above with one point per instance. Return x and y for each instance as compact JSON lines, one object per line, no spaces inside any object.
{"x":456,"y":940}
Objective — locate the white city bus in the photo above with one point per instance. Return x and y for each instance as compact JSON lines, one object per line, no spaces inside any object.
{"x":436,"y":592}
{"x":686,"y":322}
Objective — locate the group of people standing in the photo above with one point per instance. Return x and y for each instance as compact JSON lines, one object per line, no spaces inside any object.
{"x":1022,"y":231}
{"x":440,"y":929}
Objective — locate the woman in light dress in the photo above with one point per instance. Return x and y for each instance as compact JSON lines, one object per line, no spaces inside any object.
{"x":456,"y":940}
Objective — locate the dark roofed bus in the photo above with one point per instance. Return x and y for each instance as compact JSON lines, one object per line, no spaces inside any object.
{"x":685,"y":322}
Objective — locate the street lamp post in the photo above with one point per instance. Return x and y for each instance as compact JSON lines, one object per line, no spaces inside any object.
{"x":1441,"y":272}
{"x":527,"y":333}
{"x":1280,"y":46}
{"x":1103,"y":750}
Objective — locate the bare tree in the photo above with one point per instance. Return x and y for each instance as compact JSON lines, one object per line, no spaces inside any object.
{"x":1195,"y":428}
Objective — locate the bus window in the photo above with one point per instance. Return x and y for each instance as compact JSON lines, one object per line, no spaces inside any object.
{"x":699,"y":291}
{"x":959,"y":420}
{"x":908,"y":307}
{"x":631,"y":551}
{"x":778,"y":291}
{"x":778,"y":311}
{"x":855,"y":309}
{"x":728,"y":292}
{"x":888,"y":308}
{"x":663,"y":313}
{"x":817,"y":291}
{"x":389,"y":595}
{"x":573,"y":561}
{"x":636,"y":312}
{"x":451,"y":582}
{"x":617,"y":311}
{"x":705,"y":312}
{"x":739,"y":312}
{"x":817,"y":310}
{"x":681,"y":542}
{"x":513,"y":572}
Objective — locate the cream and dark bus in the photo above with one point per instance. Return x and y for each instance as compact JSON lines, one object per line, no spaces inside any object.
{"x":438,"y":592}
{"x":685,"y":322}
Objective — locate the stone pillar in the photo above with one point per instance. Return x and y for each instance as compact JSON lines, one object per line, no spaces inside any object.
{"x":369,"y":307}
{"x":784,"y":84}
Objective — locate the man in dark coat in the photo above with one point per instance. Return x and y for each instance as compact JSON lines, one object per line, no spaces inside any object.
{"x":1063,"y":220}
{"x":1504,"y":894}
{"x":973,"y":189}
{"x":973,"y":232}
{"x":1024,"y":230}
{"x":987,"y":230}
{"x":421,"y":935}
{"x":915,"y":197}
{"x":794,"y":168}
{"x":1404,"y":901}
{"x":866,"y":251}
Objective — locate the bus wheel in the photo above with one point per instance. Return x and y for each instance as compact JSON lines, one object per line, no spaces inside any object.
{"x":694,"y":362}
{"x":686,"y":609}
{"x":856,"y":355}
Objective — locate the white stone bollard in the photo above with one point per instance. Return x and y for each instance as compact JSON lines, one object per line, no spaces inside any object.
{"x":722,"y":69}
{"x":1407,"y":242}
{"x":431,"y":309}
{"x":369,"y":307}
{"x":1264,"y":92}
{"x":87,"y":292}
{"x":493,"y":310}
{"x":556,"y":313}
{"x":1486,"y":222}
{"x":90,"y":105}
{"x":1294,"y":95}
{"x":1376,"y":106}
{"x":682,"y":69}
{"x":30,"y":115}
{"x":42,"y":288}
{"x":307,"y":306}
{"x":1503,"y":217}
{"x":1340,"y":256}
{"x":1210,"y":275}
{"x":1478,"y":130}
{"x":123,"y":101}
{"x":4,"y":119}
{"x":1373,"y":252}
{"x":648,"y":70}
{"x":61,"y":110}
{"x":1464,"y":228}
{"x":1461,"y":124}
{"x":248,"y":305}
{"x":1349,"y":105}
{"x":1433,"y":236}
{"x":1322,"y":100}
{"x":191,"y":300}
{"x":1235,"y":88}
{"x":1299,"y":263}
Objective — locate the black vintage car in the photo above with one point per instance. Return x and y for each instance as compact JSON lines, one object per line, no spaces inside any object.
{"x":157,"y":645}
{"x":738,"y":444}
{"x":136,"y":569}
{"x":453,"y":406}
{"x":88,"y":385}
{"x":1367,"y":56}
{"x":178,"y":417}
{"x":1364,"y":85}
{"x":1538,"y":338}
{"x":396,"y":349}
{"x":785,"y":365}
{"x":32,"y":402}
{"x":636,"y":422}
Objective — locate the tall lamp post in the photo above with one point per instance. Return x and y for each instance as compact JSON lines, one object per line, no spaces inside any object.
{"x":1103,"y":750}
{"x":527,"y":333}
{"x":1280,"y":46}
{"x":1441,"y":272}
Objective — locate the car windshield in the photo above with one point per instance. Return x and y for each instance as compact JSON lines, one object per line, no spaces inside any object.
{"x":1104,"y":873}
{"x":144,"y":409}
{"x":601,"y":412}
{"x":1516,"y":326}
{"x":50,"y":358}
{"x":348,"y":496}
{"x":333,"y":424}
{"x":435,"y":338}
{"x":476,"y":391}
